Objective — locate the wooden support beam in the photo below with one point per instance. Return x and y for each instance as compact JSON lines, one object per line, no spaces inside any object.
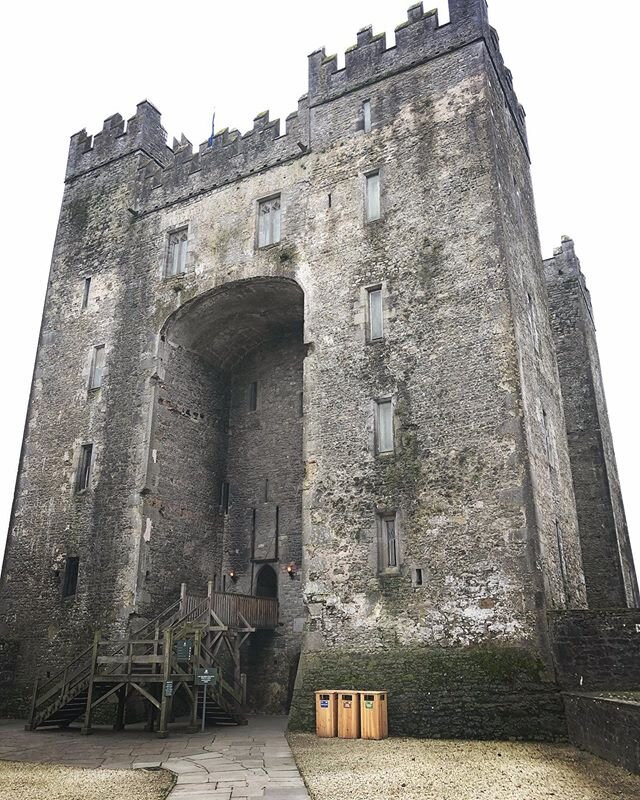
{"x":145,"y":694}
{"x":86,"y":728}
{"x":163,"y":729}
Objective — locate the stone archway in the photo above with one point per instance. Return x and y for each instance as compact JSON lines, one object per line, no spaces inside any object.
{"x":227,"y":459}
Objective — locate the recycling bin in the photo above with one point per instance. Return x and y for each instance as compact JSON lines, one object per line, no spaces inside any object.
{"x":327,"y":713}
{"x":373,"y":715}
{"x":349,"y":715}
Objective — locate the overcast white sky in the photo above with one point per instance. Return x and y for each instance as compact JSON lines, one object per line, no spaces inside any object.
{"x":68,"y":65}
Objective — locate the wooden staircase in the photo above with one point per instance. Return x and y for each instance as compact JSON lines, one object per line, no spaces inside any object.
{"x":148,"y":664}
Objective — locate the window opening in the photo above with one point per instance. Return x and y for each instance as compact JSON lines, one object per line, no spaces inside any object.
{"x":224,"y":497}
{"x":269,"y":222}
{"x":253,"y":396}
{"x":97,"y":367}
{"x":266,"y":490}
{"x":366,"y":115}
{"x":329,"y":199}
{"x":177,"y":257}
{"x":417,"y":578}
{"x":376,"y":319}
{"x":388,"y":550}
{"x":86,"y":290}
{"x":384,"y":426}
{"x":373,"y":196}
{"x":70,"y":583}
{"x":84,"y":468}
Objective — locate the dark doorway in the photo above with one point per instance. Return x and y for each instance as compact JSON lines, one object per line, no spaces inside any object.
{"x":267,"y":582}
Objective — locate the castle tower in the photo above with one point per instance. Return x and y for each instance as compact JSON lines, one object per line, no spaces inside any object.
{"x":316,"y":365}
{"x":604,"y":537}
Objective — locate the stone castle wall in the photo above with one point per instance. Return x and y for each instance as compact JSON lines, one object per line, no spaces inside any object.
{"x":478,"y":475}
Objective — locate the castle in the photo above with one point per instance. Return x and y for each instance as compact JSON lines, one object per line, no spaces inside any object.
{"x":327,"y":366}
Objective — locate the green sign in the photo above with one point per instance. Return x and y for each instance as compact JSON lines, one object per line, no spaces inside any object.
{"x":168,"y":688}
{"x":184,"y":649}
{"x":206,"y":677}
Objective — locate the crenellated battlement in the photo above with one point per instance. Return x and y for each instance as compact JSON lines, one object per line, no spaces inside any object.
{"x":179,"y":171}
{"x":228,"y":156}
{"x":142,"y":132}
{"x":418,"y":39}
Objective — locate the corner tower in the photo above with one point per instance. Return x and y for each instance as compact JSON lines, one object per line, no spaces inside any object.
{"x":604,"y":537}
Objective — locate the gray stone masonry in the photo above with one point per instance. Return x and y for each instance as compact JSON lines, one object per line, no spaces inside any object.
{"x":604,"y":537}
{"x":189,"y":482}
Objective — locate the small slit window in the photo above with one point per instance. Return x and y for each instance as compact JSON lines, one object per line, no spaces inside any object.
{"x":84,"y":468}
{"x":177,"y":255}
{"x":375,"y":313}
{"x":86,"y":291}
{"x":373,"y":196}
{"x":224,"y":497}
{"x":384,"y":426}
{"x":366,"y":116}
{"x":253,"y":396}
{"x":70,"y":582}
{"x":269,"y":221}
{"x":97,"y":367}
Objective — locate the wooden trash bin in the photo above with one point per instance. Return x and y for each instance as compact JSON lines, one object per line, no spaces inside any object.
{"x":327,"y":713}
{"x":373,"y":715}
{"x":349,"y":715}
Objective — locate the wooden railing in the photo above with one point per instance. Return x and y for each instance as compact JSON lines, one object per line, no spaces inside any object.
{"x":233,"y":609}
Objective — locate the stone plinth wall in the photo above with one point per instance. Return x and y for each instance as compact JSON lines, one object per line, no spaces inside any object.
{"x":607,"y":727}
{"x":475,"y":692}
{"x":596,"y":649}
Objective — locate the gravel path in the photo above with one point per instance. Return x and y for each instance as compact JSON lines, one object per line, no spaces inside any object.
{"x":417,"y":769}
{"x":21,"y":780}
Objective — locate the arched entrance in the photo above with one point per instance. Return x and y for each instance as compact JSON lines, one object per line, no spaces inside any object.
{"x":267,"y":582}
{"x":226,"y":460}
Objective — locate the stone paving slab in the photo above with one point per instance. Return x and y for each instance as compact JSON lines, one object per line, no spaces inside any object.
{"x":223,"y":764}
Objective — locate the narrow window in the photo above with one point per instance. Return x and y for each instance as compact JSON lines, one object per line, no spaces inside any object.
{"x":177,"y":255}
{"x":266,"y":490}
{"x":384,"y":426}
{"x":269,"y":221}
{"x":84,"y":468}
{"x":224,"y":497}
{"x":417,"y":577}
{"x":388,"y":549}
{"x":70,"y":582}
{"x":86,"y":290}
{"x":366,"y":115}
{"x":373,"y":196}
{"x":253,"y":396}
{"x":253,"y":533}
{"x":376,"y":322}
{"x":97,"y":367}
{"x":561,"y":556}
{"x":277,"y":531}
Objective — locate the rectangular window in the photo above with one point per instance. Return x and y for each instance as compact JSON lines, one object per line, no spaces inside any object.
{"x":224,"y":497}
{"x":269,"y":221}
{"x":253,"y":396}
{"x":373,"y":196}
{"x":70,"y":582}
{"x":366,"y":115}
{"x":86,"y":290}
{"x":376,"y":321}
{"x":417,"y":577}
{"x":97,"y":367}
{"x":384,"y":426}
{"x":388,"y":547}
{"x":84,"y":468}
{"x":177,"y":255}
